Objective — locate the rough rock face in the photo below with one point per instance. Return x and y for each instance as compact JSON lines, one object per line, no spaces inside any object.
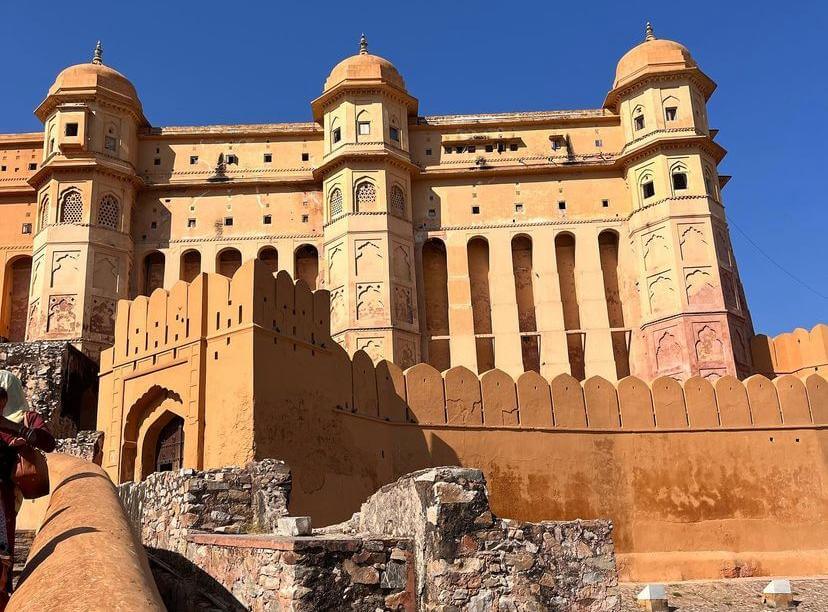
{"x":86,"y":445}
{"x":467,"y":559}
{"x":61,"y":383}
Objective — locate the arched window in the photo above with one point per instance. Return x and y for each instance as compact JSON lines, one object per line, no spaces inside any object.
{"x":43,"y":213}
{"x":671,"y":109}
{"x":71,"y":207}
{"x":111,"y":139}
{"x":335,"y":203}
{"x":647,"y":186}
{"x":306,"y":264}
{"x":153,"y":272}
{"x":336,"y":131}
{"x":366,"y":196}
{"x":190,"y":265}
{"x":435,"y":280}
{"x":678,"y":177}
{"x":109,"y":212}
{"x":397,"y":201}
{"x":270,"y":257}
{"x":363,"y":124}
{"x":51,"y":141}
{"x":638,"y":118}
{"x":709,"y":183}
{"x":228,"y":261}
{"x":394,"y":129}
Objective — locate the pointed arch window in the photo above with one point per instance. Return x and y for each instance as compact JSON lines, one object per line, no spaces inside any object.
{"x":638,"y":118}
{"x":397,"y":201}
{"x":43,"y":213}
{"x":109,"y":212}
{"x":366,"y":196}
{"x":111,"y":139}
{"x":646,"y":185}
{"x":335,"y":203}
{"x":71,"y":207}
{"x":678,"y":177}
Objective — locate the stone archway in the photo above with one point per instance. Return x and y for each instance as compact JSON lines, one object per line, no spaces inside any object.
{"x":145,"y":421}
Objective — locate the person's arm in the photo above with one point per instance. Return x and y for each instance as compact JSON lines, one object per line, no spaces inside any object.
{"x":37,"y":433}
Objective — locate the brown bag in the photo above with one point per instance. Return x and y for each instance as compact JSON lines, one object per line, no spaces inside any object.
{"x":31,"y":474}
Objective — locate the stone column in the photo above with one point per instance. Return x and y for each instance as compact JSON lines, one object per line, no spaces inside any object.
{"x":554,"y":356}
{"x":505,"y":327}
{"x":592,"y":305}
{"x":461,"y":319}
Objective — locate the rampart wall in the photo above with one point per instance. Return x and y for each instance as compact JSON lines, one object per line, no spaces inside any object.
{"x":800,"y":352}
{"x":700,"y":479}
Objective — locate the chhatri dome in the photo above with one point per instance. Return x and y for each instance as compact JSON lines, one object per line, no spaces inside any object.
{"x":94,"y":75}
{"x":652,"y":55}
{"x":364,"y":67}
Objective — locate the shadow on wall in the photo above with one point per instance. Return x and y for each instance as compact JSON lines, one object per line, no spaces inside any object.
{"x":185,"y":586}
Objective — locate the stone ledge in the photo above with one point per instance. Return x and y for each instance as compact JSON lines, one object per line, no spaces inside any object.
{"x":297,"y":543}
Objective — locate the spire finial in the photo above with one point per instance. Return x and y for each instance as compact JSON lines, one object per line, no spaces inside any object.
{"x":648,"y":32}
{"x":363,"y":45}
{"x":97,"y":58}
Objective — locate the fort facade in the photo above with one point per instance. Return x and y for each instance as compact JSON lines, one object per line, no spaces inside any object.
{"x":591,"y":242}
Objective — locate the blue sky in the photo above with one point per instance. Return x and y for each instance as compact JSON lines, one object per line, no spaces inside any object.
{"x":249,"y":62}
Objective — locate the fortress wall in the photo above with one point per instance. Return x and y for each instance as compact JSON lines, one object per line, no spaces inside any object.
{"x":701,"y":479}
{"x":800,"y":352}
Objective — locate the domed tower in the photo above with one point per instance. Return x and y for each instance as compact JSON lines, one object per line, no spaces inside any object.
{"x":86,"y":188}
{"x":694,"y":320}
{"x":366,"y":175}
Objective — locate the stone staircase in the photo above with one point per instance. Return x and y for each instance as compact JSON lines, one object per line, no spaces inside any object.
{"x":22,"y":544}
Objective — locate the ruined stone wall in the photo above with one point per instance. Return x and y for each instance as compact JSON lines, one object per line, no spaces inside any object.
{"x":60,"y":382}
{"x":428,"y":541}
{"x":306,"y":574}
{"x":470,"y":559}
{"x":167,"y":506}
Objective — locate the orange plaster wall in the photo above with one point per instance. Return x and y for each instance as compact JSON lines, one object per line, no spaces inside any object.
{"x":698,"y":478}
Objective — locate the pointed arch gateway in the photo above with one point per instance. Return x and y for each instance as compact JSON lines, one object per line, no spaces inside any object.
{"x":157,"y":435}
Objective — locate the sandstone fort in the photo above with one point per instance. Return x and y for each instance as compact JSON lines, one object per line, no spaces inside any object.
{"x":271,"y":321}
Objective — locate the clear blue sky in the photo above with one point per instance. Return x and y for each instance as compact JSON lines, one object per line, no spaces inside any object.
{"x":249,"y":62}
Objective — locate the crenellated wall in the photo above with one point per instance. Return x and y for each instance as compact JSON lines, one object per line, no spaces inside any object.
{"x":458,"y":397}
{"x":800,"y":352}
{"x":700,"y":479}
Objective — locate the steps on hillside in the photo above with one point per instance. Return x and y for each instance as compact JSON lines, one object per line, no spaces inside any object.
{"x":22,"y":544}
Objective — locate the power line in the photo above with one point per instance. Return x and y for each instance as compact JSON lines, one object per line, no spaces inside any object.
{"x":775,"y":263}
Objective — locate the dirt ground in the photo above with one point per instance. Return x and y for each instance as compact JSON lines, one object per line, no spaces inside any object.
{"x":810,"y":594}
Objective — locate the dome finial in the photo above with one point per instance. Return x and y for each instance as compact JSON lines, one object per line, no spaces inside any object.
{"x":97,"y":58}
{"x":363,"y":45}
{"x":648,"y":32}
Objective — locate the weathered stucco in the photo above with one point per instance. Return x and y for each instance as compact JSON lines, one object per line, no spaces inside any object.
{"x":697,"y":477}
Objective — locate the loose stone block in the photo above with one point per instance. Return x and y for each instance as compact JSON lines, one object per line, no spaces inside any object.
{"x":294,"y":526}
{"x":777,"y":594}
{"x":653,"y":598}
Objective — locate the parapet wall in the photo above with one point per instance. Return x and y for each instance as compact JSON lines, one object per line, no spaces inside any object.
{"x":459,"y":397}
{"x":800,"y":352}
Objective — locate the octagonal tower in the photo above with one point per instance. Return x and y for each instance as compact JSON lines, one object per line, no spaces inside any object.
{"x":86,"y":187}
{"x":366,"y":174}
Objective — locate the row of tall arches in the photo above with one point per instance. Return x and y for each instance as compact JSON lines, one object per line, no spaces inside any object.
{"x":70,"y":210}
{"x":435,"y":276}
{"x":306,"y":265}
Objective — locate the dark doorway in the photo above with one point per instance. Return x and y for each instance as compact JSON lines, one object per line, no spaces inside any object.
{"x":169,"y":451}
